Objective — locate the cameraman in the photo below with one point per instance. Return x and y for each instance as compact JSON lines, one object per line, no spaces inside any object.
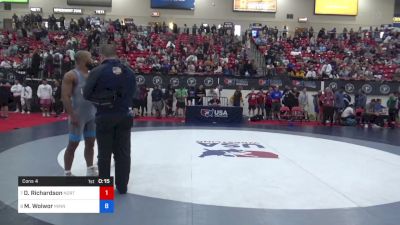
{"x":111,"y":87}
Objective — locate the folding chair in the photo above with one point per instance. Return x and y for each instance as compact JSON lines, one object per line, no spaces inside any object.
{"x":298,"y":114}
{"x":285,"y":113}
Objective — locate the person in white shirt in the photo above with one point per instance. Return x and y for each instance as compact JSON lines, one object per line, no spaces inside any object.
{"x":6,"y":64}
{"x":26,"y":98}
{"x":311,"y":74}
{"x":44,"y":93}
{"x":218,"y":70}
{"x":348,"y":115}
{"x":326,"y":70}
{"x":16,"y":90}
{"x":303,"y":102}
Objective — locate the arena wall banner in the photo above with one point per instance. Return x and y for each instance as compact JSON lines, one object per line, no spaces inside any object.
{"x":177,"y":81}
{"x":369,"y":87}
{"x":9,"y":74}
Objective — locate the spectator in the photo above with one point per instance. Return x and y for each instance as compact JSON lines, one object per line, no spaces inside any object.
{"x":348,"y":116}
{"x":360,"y":100}
{"x":290,"y":100}
{"x":5,"y":98}
{"x":157,"y":100}
{"x":339,"y":104}
{"x":62,"y":22}
{"x":44,"y":94}
{"x":16,"y":90}
{"x":35,"y":66}
{"x":181,"y":94}
{"x":328,"y":102}
{"x":191,"y":96}
{"x":347,"y":99}
{"x":318,"y":106}
{"x":252,"y":100}
{"x":379,"y":112}
{"x":261,"y":102}
{"x":26,"y":98}
{"x":268,"y":104}
{"x":311,"y":74}
{"x":57,"y":102}
{"x":392,"y":105}
{"x":276,"y":96}
{"x":303,"y":102}
{"x":169,"y":101}
{"x":143,"y":95}
{"x":200,"y":94}
{"x":326,"y":70}
{"x":237,"y":98}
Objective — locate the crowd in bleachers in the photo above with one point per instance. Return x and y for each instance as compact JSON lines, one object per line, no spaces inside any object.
{"x":153,"y":49}
{"x":370,"y":54}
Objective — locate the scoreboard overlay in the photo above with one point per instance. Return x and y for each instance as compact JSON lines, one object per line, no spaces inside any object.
{"x":65,"y":195}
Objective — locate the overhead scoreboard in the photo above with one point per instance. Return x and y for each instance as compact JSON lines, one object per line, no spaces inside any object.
{"x":255,"y":5}
{"x":336,"y":7}
{"x":65,"y":195}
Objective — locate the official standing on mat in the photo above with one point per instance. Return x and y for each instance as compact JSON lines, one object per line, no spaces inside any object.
{"x":81,"y":113}
{"x":111,"y":87}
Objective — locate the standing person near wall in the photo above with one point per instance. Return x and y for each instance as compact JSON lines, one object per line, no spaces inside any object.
{"x":26,"y":98}
{"x":276,"y":96}
{"x":44,"y":94}
{"x":35,"y":63}
{"x":252,"y":100}
{"x":58,"y":105}
{"x":143,"y":95}
{"x":237,"y":98}
{"x":191,"y":96}
{"x":181,"y":94}
{"x":157,"y":100}
{"x":261,"y":103}
{"x":169,"y":101}
{"x":5,"y":98}
{"x":339,"y":104}
{"x":303,"y":102}
{"x":328,"y":102}
{"x":392,"y":105}
{"x":268,"y":104}
{"x":16,"y":90}
{"x":318,"y":106}
{"x":111,"y":86}
{"x":200,"y":94}
{"x":360,"y":100}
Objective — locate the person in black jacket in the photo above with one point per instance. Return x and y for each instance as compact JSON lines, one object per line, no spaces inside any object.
{"x":62,"y":22}
{"x":58,"y":105}
{"x":5,"y":98}
{"x":157,"y":100}
{"x":290,"y":100}
{"x":35,"y":66}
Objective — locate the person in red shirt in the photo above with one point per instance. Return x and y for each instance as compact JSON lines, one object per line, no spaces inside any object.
{"x":252,"y":100}
{"x":328,"y":102}
{"x":261,"y":102}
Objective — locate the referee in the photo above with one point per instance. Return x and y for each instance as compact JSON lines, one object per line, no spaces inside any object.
{"x":111,"y":87}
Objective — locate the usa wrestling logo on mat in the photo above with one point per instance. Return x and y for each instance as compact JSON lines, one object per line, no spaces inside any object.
{"x":235,"y":149}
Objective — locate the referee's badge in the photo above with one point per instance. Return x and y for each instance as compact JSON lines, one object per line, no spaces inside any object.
{"x":117,"y":70}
